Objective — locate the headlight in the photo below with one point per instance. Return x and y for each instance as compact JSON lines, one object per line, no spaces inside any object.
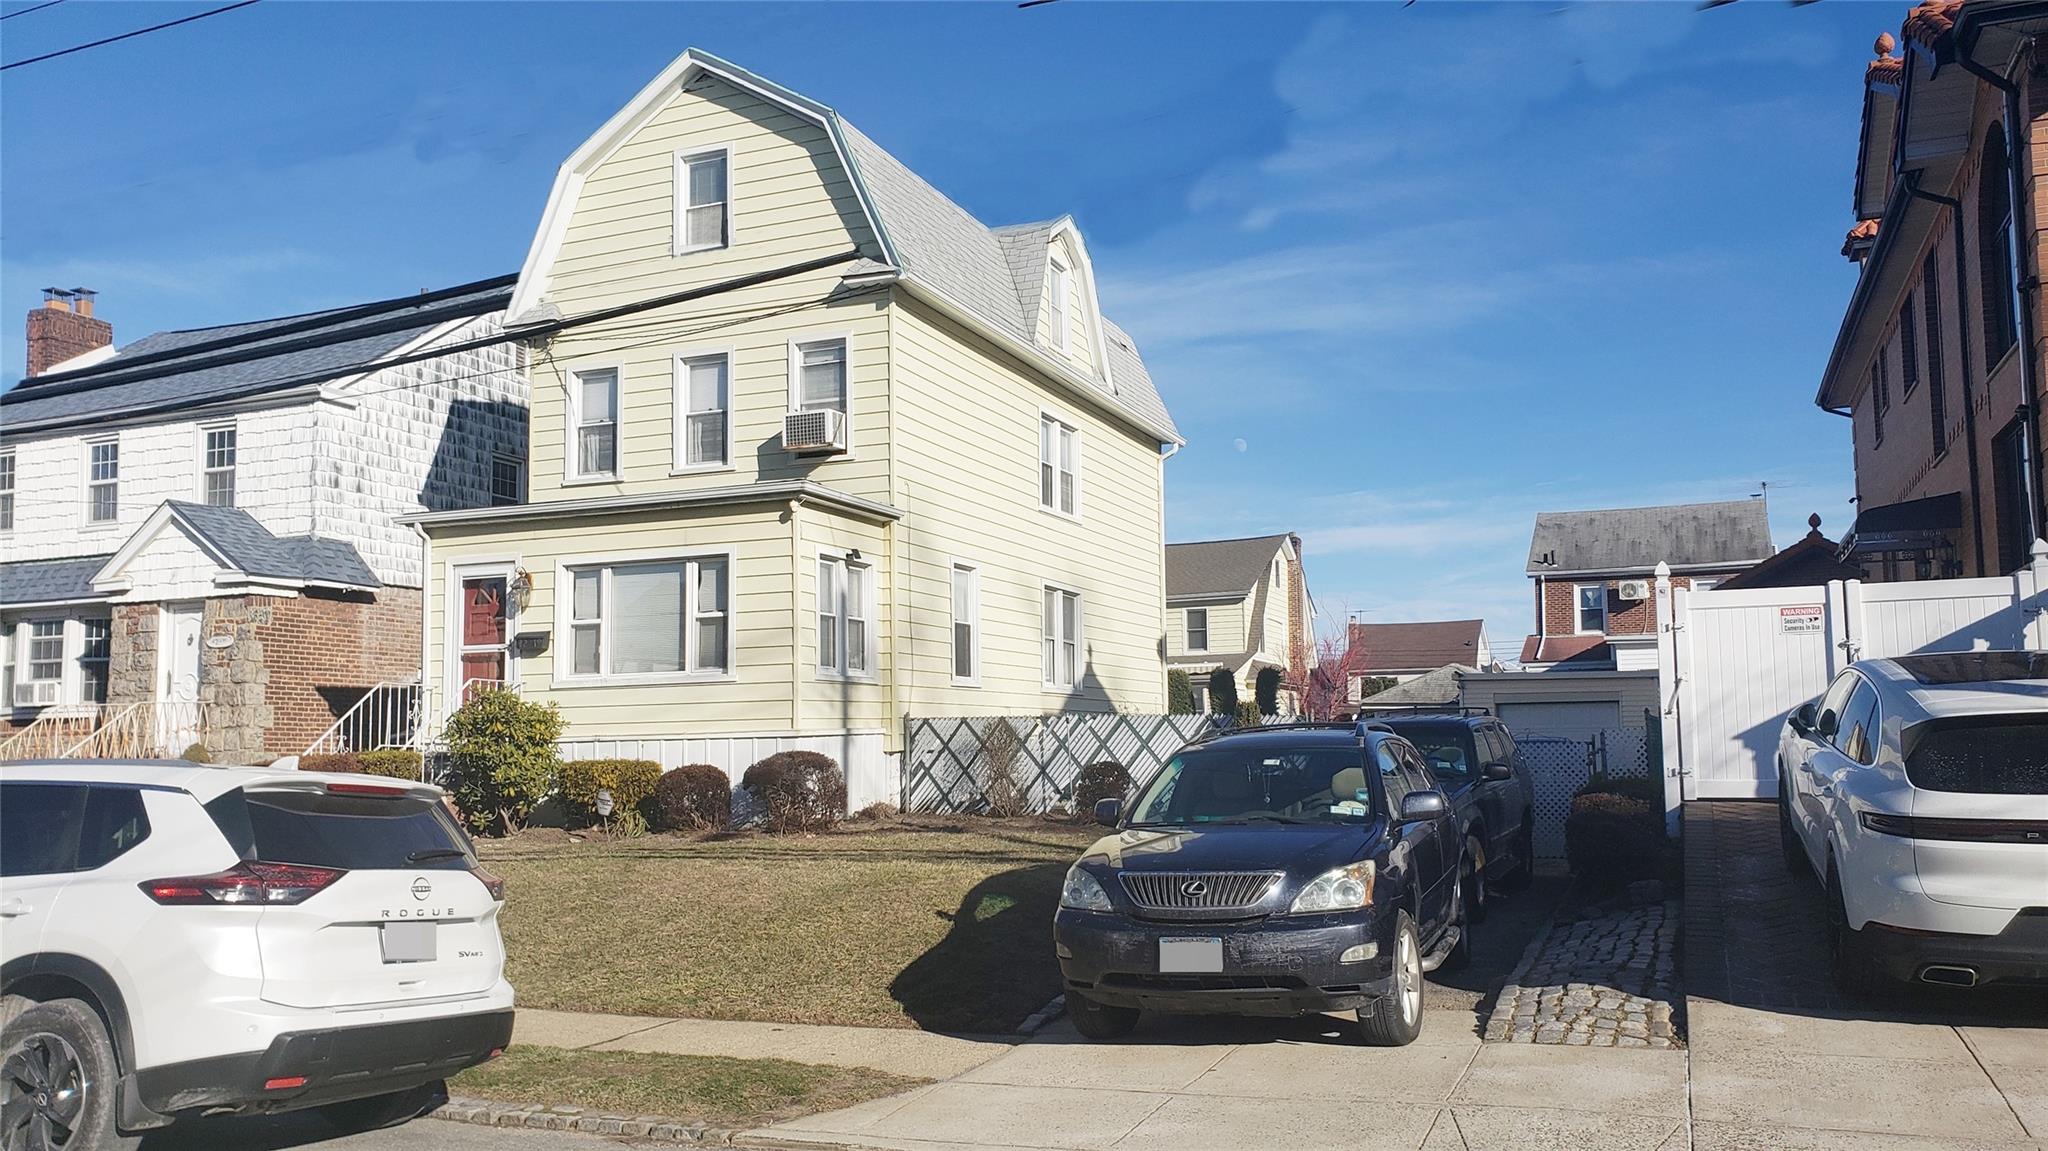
{"x":1338,"y":889}
{"x":1083,"y":891}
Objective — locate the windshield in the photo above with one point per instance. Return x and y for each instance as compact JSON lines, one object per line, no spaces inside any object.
{"x":1993,"y":755}
{"x":1447,"y":749}
{"x":1250,"y":785}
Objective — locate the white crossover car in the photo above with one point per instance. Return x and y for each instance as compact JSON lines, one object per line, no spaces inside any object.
{"x":1916,"y":788}
{"x":179,"y":939}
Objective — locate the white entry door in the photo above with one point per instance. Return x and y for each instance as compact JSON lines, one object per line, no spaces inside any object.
{"x":177,"y":677}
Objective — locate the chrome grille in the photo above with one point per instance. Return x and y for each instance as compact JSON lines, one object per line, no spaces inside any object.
{"x":1199,"y":890}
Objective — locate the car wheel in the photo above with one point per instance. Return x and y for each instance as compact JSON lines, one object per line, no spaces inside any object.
{"x":57,"y":1081}
{"x":1395,"y":1018}
{"x":1460,"y":955}
{"x":1788,"y":837}
{"x":1472,"y":880}
{"x":1100,"y":1020}
{"x":1525,"y":858}
{"x":369,"y":1114}
{"x":1856,"y":971}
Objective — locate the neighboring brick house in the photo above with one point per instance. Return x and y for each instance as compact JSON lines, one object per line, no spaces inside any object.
{"x":1240,"y":605}
{"x":1406,"y":651}
{"x":198,"y":528}
{"x":1594,"y":575}
{"x":1938,"y":360}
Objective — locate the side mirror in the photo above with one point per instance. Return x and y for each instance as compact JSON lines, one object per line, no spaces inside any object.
{"x":1826,"y":726}
{"x":1108,"y":811}
{"x":1496,"y":771}
{"x":1803,"y":719}
{"x":1419,"y":806}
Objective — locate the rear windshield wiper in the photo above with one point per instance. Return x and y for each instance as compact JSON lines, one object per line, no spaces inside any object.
{"x":426,"y":854}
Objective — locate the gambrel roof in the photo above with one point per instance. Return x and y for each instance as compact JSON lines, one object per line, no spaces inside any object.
{"x":931,"y":245}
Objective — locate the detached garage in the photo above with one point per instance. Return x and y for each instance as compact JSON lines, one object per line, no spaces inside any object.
{"x":1575,"y":704}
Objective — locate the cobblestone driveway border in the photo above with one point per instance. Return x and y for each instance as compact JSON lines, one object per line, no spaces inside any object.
{"x":1606,"y":977}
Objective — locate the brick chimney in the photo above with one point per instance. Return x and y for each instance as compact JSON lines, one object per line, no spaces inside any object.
{"x":64,"y":327}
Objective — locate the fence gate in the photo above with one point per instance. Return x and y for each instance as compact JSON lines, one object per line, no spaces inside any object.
{"x":949,"y":762}
{"x":1560,"y":764}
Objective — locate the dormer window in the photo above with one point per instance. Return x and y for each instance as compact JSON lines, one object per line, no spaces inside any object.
{"x":703,"y":201}
{"x":1056,"y":300}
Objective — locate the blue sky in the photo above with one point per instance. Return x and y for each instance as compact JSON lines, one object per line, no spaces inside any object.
{"x":1406,"y":276}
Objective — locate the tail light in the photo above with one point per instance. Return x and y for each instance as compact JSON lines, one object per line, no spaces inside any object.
{"x":495,"y":884}
{"x":366,"y":789}
{"x":251,"y":882}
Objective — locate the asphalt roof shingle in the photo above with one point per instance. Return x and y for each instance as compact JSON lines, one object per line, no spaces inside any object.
{"x":1733,"y":532}
{"x":49,"y":581}
{"x":1219,"y":567}
{"x":1377,"y":647}
{"x":253,"y":550}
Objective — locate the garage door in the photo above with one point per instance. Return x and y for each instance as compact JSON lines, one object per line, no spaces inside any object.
{"x":1575,"y":720}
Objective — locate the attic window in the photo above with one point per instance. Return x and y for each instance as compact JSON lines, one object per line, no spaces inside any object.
{"x":1056,"y":302}
{"x":703,"y":201}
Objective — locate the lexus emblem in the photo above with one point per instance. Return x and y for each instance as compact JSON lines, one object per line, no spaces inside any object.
{"x":1194,"y":887}
{"x":421,"y":888}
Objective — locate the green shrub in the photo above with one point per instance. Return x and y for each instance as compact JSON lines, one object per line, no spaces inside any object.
{"x":1222,"y":692}
{"x":1611,"y":839}
{"x":631,"y":782}
{"x":798,"y":790}
{"x":395,"y":762}
{"x":1098,"y":781}
{"x":1180,"y":693}
{"x":1266,"y":691}
{"x":1372,"y":685}
{"x":693,"y":797}
{"x":1642,"y":787}
{"x":502,"y":758}
{"x":197,"y":753}
{"x":1248,"y":714}
{"x":345,"y":761}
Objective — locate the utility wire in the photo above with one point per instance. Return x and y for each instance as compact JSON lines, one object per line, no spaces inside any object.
{"x":125,"y":35}
{"x":37,"y":8}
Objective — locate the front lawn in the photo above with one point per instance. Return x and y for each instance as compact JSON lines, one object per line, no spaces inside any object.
{"x":944,"y":925}
{"x":717,"y":1092}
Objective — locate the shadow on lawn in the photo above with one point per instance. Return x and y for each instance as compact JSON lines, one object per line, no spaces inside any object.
{"x":996,"y":965}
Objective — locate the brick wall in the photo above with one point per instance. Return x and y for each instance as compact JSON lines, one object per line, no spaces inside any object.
{"x":1624,"y":617}
{"x":56,"y":334}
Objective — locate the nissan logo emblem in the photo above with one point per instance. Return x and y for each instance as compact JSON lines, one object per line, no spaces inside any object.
{"x":1194,"y":887}
{"x":421,"y":888}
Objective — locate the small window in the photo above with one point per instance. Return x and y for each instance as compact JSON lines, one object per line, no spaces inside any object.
{"x":1061,"y":623}
{"x":1881,"y":396}
{"x":1056,"y":304}
{"x":704,"y":206}
{"x":821,"y":376}
{"x":596,"y":423}
{"x":45,"y":661}
{"x":508,"y":480}
{"x":966,"y":623}
{"x":1592,"y":607}
{"x":663,"y":617}
{"x":1994,"y":248}
{"x":103,"y":482}
{"x":6,"y":491}
{"x":703,"y":403}
{"x":217,"y":468}
{"x":586,"y":620}
{"x":1702,"y":584}
{"x":846,"y":611}
{"x":92,"y":660}
{"x":1937,"y":400}
{"x":1198,"y":629}
{"x":1909,"y":349}
{"x":1059,"y":477}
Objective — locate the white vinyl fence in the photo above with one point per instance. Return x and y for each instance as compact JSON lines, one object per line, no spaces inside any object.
{"x":1733,"y":664}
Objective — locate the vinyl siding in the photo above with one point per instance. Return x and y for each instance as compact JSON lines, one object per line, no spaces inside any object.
{"x":1080,"y":340}
{"x":1226,"y":629}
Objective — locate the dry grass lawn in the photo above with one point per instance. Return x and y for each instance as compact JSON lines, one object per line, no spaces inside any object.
{"x":940,"y":925}
{"x":717,"y":1092}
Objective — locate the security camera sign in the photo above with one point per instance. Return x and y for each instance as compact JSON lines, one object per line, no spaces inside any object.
{"x":1800,"y":619}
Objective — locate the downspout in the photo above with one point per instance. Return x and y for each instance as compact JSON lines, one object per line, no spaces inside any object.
{"x":2024,"y":286}
{"x":1955,"y":217}
{"x":796,"y":617}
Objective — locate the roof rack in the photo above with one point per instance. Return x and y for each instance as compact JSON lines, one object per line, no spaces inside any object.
{"x":1424,"y":709}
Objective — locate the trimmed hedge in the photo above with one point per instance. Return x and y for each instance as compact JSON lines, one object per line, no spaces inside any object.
{"x":343,"y":761}
{"x":394,"y":762}
{"x":502,"y":758}
{"x":799,"y":790}
{"x":1104,"y":780}
{"x":693,"y":797}
{"x":631,"y":782}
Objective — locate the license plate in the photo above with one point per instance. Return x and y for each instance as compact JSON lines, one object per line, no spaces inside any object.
{"x":410,"y":943}
{"x":1198,"y":956}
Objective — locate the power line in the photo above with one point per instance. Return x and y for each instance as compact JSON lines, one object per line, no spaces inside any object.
{"x":37,"y":8}
{"x":126,"y":35}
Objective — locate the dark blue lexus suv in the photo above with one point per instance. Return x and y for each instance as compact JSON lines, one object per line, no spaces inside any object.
{"x":1274,"y":871}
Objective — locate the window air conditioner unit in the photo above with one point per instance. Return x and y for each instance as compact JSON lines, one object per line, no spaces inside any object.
{"x":1633,"y":589}
{"x":36,"y":693}
{"x":814,"y":432}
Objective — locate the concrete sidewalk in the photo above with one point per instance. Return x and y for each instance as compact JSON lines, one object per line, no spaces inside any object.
{"x":917,"y":1054}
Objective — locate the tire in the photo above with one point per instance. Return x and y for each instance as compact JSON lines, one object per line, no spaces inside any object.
{"x":1525,"y":857}
{"x":1100,"y":1020}
{"x":355,"y":1115}
{"x":1472,"y":880}
{"x":58,"y":1080}
{"x":1855,"y":970}
{"x":1788,"y":837}
{"x":1460,"y":956}
{"x":1395,"y":1018}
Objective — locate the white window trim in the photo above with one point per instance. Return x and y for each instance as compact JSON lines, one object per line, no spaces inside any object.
{"x":13,"y":489}
{"x":845,"y":337}
{"x":1080,"y":467}
{"x":1578,"y":613}
{"x":566,"y":679}
{"x":519,"y":464}
{"x":1080,"y":637}
{"x":824,"y":554}
{"x":70,"y":679}
{"x":681,"y":198}
{"x":679,"y":445}
{"x":85,"y":505}
{"x":572,"y":410}
{"x":1058,"y":335}
{"x":954,"y":566}
{"x":479,"y":567}
{"x":200,"y":433}
{"x":1187,"y":629}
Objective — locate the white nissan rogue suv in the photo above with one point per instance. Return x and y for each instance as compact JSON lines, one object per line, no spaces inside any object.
{"x":179,"y":939}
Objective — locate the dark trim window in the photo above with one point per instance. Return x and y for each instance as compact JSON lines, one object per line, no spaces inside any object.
{"x":2009,"y":495}
{"x":1198,"y":629}
{"x":93,"y":659}
{"x":1880,"y":398}
{"x":507,"y":473}
{"x":1930,"y":304}
{"x":6,"y":491}
{"x":1994,"y":248}
{"x":1909,"y":349}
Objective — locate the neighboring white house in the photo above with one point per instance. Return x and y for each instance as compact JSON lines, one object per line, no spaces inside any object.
{"x":201,"y":524}
{"x":1240,"y":605}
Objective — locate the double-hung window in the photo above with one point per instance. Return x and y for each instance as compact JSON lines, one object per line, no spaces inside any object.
{"x":703,"y":412}
{"x":1061,"y":621}
{"x":217,"y":467}
{"x":508,"y":480}
{"x":1592,"y":608}
{"x":703,"y":201}
{"x":595,"y":423}
{"x":966,"y":623}
{"x":45,"y":662}
{"x":846,"y":612}
{"x":103,"y":482}
{"x":6,"y":491}
{"x":92,"y":660}
{"x":1198,"y":629}
{"x":1056,"y":302}
{"x":820,"y":368}
{"x":1059,"y":466}
{"x":664,"y":617}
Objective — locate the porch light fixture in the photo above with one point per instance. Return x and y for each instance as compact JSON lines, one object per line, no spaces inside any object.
{"x":521,"y":587}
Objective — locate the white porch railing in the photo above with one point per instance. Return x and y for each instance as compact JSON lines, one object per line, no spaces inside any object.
{"x":391,"y":714}
{"x":54,"y":730}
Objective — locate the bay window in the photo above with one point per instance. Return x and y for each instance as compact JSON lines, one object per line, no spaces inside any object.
{"x":846,"y":612}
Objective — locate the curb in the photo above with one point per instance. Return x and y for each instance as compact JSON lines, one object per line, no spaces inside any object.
{"x":1044,"y":1015}
{"x":538,"y":1116}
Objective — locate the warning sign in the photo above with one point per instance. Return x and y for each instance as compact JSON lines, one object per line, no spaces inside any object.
{"x":1800,"y":619}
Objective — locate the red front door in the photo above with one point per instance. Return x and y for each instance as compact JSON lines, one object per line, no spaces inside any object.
{"x":483,"y":632}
